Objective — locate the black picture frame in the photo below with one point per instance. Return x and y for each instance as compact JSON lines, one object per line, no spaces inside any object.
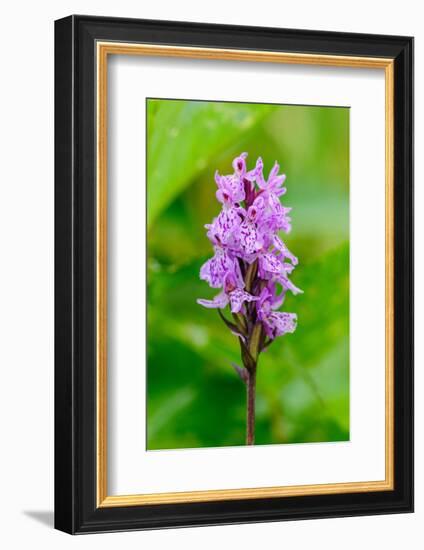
{"x":76,"y":510}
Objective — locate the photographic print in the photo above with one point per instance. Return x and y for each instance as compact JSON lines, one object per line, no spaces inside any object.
{"x":247,"y":274}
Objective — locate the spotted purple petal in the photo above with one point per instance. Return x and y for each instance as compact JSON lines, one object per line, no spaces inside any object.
{"x":250,"y":239}
{"x":238,"y":297}
{"x":269,"y":265}
{"x":230,"y":189}
{"x":279,"y":245}
{"x":288,"y":285}
{"x":239,"y":164}
{"x":220,"y":301}
{"x":283,"y":322}
{"x":223,"y":230}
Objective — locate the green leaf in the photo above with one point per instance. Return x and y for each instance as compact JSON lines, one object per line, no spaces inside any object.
{"x":183,"y":138}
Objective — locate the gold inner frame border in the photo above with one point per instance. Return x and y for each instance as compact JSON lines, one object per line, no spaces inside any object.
{"x":103,"y":50}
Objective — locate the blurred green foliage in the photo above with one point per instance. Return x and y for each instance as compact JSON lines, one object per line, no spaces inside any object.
{"x":194,"y":397}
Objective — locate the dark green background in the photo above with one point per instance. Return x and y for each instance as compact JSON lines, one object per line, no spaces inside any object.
{"x":194,"y":397}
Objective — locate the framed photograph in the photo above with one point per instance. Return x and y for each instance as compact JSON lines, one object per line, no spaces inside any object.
{"x":234,"y":274}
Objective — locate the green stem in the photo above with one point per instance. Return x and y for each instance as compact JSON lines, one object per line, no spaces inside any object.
{"x":251,"y":398}
{"x":250,"y":275}
{"x":254,"y":349}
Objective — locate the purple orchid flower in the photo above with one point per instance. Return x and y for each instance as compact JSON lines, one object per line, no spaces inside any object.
{"x":218,"y":267}
{"x":224,"y":229}
{"x":232,"y":294}
{"x":274,"y":323}
{"x":275,"y":181}
{"x":230,"y":189}
{"x":250,"y":263}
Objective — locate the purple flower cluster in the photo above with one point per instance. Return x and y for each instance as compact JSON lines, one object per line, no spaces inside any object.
{"x":251,"y":264}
